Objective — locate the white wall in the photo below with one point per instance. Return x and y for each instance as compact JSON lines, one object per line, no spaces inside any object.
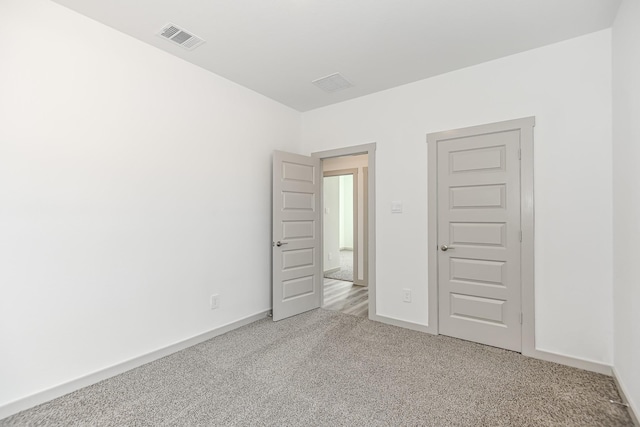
{"x":626,"y":198}
{"x":346,"y":212}
{"x":331,"y":224}
{"x":567,"y":86}
{"x":130,"y":182}
{"x":354,"y":162}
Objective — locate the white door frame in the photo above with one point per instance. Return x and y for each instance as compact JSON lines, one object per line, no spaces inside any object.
{"x":370,"y":150}
{"x":525,"y":126}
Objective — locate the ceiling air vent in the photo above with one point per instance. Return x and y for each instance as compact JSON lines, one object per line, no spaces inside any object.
{"x":332,"y":83}
{"x":181,"y":37}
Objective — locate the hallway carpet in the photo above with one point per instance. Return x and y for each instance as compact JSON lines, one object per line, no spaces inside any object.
{"x":325,"y":368}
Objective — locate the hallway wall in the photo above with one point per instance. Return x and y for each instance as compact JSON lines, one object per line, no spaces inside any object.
{"x":353,"y":162}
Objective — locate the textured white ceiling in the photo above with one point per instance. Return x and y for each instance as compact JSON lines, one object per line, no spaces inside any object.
{"x":277,"y":47}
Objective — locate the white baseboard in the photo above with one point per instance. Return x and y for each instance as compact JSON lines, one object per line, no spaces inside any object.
{"x":587,"y":365}
{"x":401,"y":323}
{"x":574,"y":362}
{"x":95,"y":377}
{"x":634,"y":411}
{"x":331,"y":270}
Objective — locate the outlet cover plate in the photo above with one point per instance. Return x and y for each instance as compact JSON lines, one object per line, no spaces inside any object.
{"x":215,"y":301}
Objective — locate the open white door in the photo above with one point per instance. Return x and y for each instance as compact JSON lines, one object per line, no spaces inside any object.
{"x":296,"y":234}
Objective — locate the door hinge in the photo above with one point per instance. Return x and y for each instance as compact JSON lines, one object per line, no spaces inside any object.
{"x":519,"y":154}
{"x":521,"y":318}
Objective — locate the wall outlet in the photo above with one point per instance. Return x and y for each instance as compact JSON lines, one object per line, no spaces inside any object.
{"x":406,"y":295}
{"x":215,"y":301}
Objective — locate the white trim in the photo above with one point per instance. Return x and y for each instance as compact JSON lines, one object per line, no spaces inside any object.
{"x":365,"y":225}
{"x":59,"y":390}
{"x":527,"y":227}
{"x":574,"y":362}
{"x":400,"y":323}
{"x":370,"y":150}
{"x":587,"y":365}
{"x":432,"y":234}
{"x":634,"y":411}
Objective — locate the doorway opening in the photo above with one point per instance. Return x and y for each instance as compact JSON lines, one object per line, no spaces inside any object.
{"x":344,"y":213}
{"x":340,"y":224}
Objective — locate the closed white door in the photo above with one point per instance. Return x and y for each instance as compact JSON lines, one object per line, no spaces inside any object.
{"x":296,"y":255}
{"x":479,"y":285}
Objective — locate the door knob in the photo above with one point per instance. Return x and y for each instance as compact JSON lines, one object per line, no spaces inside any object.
{"x":281,"y":243}
{"x":445,"y":248}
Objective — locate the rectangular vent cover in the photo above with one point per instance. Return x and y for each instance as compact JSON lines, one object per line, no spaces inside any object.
{"x":180,"y":37}
{"x":332,"y":83}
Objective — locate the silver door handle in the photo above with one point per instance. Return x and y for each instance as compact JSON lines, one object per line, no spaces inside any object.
{"x":281,"y":243}
{"x":445,"y":248}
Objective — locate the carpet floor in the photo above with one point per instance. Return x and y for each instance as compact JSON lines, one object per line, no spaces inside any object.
{"x":346,"y":268}
{"x":325,"y":368}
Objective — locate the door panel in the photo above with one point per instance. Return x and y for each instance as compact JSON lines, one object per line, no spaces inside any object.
{"x":478,"y":233}
{"x":297,"y":259}
{"x":292,"y":230}
{"x":477,"y":271}
{"x":296,"y":232}
{"x":477,"y":308}
{"x":477,"y":197}
{"x":299,"y":287}
{"x":479,"y":222}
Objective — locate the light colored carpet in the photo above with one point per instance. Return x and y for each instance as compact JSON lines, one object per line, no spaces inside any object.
{"x":324,"y":368}
{"x":346,"y":268}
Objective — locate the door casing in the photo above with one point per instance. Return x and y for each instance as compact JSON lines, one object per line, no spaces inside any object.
{"x":370,"y":219}
{"x":525,"y":125}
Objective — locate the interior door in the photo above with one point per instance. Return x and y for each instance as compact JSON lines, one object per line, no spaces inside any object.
{"x":297,"y":276}
{"x":479,"y":283}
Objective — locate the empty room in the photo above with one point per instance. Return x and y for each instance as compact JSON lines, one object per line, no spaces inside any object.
{"x":299,"y":213}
